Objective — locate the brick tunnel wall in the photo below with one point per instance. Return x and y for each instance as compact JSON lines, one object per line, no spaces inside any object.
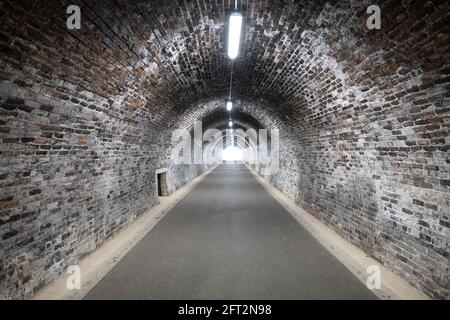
{"x":86,"y":116}
{"x":370,"y":121}
{"x":373,"y":144}
{"x":372,"y":150}
{"x":79,"y":147}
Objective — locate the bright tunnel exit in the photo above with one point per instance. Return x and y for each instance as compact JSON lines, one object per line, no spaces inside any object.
{"x":232,"y":153}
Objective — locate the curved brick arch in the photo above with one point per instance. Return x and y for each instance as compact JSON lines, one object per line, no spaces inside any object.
{"x":86,"y":116}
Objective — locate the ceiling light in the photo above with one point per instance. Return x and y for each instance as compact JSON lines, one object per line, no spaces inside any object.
{"x":229,"y":105}
{"x":230,"y":124}
{"x":234,"y":34}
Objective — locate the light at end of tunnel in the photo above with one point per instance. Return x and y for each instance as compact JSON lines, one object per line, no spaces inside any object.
{"x":230,"y":124}
{"x":232,"y":154}
{"x":229,"y":105}
{"x":234,"y":34}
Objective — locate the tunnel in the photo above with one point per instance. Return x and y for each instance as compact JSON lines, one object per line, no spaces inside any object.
{"x":350,"y":100}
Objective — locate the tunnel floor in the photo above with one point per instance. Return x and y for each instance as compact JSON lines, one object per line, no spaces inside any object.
{"x":229,"y":239}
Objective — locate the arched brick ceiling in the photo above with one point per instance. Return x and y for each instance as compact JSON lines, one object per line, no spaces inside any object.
{"x":246,"y":114}
{"x":294,"y":54}
{"x":212,"y":112}
{"x":292,"y":51}
{"x":178,"y":48}
{"x":241,"y":120}
{"x":282,"y":51}
{"x":297,"y":56}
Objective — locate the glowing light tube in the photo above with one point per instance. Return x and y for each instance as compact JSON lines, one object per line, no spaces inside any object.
{"x":234,"y":34}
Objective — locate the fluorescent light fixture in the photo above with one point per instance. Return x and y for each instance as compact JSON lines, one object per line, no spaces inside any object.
{"x":234,"y":34}
{"x":230,"y":124}
{"x":229,"y":105}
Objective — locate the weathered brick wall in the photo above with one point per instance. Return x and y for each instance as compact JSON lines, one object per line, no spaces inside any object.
{"x":374,"y":139}
{"x":370,"y":113}
{"x":79,"y":146}
{"x":71,"y":176}
{"x":86,"y":117}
